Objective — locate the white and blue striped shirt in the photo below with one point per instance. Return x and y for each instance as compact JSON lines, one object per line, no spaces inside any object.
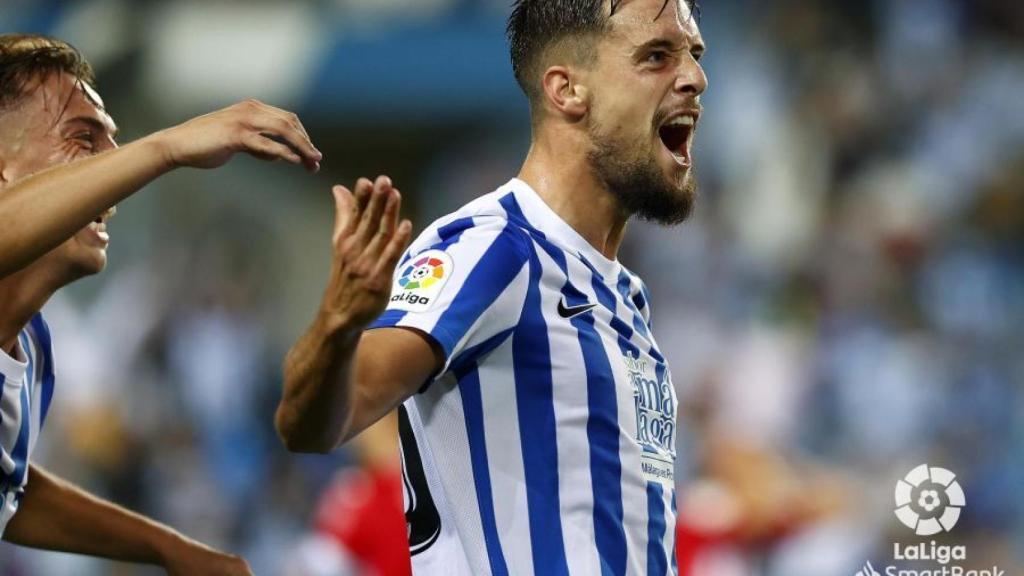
{"x":547,"y":443}
{"x":27,"y":388}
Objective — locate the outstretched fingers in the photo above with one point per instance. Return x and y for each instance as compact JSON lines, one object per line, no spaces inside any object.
{"x":387,"y":223}
{"x":284,"y":128}
{"x":369,"y":222}
{"x":268,"y":149}
{"x":368,"y":229}
{"x":394,"y":249}
{"x":345,"y":212}
{"x":364,"y":189}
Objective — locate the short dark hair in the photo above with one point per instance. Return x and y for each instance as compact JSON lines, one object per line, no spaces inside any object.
{"x":535,"y":25}
{"x":28,"y":58}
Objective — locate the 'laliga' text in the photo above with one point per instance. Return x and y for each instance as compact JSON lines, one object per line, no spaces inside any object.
{"x":930,"y":551}
{"x":410,"y":298}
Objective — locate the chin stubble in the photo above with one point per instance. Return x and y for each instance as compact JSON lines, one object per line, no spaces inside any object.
{"x":638,"y":184}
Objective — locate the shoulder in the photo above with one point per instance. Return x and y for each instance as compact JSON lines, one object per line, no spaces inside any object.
{"x":39,"y":327}
{"x":37,"y":331}
{"x":35,"y":349}
{"x":478,"y":228}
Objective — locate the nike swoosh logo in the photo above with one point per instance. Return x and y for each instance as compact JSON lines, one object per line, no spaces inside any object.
{"x":572,"y":311}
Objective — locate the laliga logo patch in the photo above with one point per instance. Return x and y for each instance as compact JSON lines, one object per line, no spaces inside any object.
{"x":421,"y":280}
{"x":929,"y":500}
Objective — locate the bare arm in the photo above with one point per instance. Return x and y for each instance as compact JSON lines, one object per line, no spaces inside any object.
{"x":40,"y":212}
{"x":338,"y":378}
{"x":55,"y":515}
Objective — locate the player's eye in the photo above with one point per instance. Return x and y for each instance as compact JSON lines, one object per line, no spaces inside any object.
{"x":84,"y":138}
{"x":656,"y":57}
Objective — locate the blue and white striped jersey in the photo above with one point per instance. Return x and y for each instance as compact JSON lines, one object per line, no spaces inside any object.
{"x":547,"y":443}
{"x":27,"y":388}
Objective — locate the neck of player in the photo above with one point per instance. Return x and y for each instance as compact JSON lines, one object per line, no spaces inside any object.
{"x":557,"y":169}
{"x":22,"y":295}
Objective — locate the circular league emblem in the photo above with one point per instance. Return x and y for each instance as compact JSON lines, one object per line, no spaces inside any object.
{"x":929,"y":500}
{"x":424,"y":273}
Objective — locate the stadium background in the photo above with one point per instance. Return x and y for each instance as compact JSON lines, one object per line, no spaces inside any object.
{"x":846,"y":304}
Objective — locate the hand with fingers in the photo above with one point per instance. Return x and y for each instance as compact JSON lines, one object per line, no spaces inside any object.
{"x":368,"y":241}
{"x":252,"y":127}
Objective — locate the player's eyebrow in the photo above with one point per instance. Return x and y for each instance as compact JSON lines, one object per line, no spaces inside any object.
{"x":94,"y":124}
{"x":656,"y":43}
{"x":665,"y":44}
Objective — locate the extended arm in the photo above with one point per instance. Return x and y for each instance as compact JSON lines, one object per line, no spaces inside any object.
{"x":338,"y":378}
{"x":55,"y":515}
{"x":41,"y":211}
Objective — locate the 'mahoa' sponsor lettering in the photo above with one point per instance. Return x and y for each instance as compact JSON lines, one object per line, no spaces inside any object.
{"x":655,"y":403}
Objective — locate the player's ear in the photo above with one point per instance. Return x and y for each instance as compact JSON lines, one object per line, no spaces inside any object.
{"x":4,"y":177}
{"x":564,"y":93}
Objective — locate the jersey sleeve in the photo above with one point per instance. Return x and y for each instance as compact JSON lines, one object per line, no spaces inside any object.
{"x":464,"y":291}
{"x":13,"y":372}
{"x":12,"y":376}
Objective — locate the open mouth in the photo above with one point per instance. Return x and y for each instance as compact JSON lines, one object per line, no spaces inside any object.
{"x":98,"y":227}
{"x":99,"y":231}
{"x":676,"y":134}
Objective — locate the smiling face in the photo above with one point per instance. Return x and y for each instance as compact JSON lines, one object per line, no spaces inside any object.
{"x":61,"y":119}
{"x":645,"y":88}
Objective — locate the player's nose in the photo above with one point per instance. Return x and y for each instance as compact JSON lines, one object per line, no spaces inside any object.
{"x":106,"y":143}
{"x":691,"y":78}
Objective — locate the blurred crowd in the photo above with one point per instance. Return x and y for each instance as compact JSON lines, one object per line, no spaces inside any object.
{"x":846,"y":304}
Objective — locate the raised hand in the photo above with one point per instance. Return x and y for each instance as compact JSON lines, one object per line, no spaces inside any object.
{"x":368,"y":242}
{"x":253,"y":127}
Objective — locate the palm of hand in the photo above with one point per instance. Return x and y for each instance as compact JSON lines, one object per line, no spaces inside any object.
{"x":368,"y":241}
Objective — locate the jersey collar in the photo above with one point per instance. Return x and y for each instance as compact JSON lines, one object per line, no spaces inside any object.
{"x":546,"y":220}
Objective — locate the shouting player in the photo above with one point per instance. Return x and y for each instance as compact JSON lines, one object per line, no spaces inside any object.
{"x":537,"y":415}
{"x":51,"y":115}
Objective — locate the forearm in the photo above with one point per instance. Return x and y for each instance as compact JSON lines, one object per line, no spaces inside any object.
{"x":55,"y":515}
{"x":317,"y":404}
{"x":41,"y":211}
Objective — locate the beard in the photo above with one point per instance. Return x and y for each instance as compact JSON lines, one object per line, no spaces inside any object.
{"x":638,"y":183}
